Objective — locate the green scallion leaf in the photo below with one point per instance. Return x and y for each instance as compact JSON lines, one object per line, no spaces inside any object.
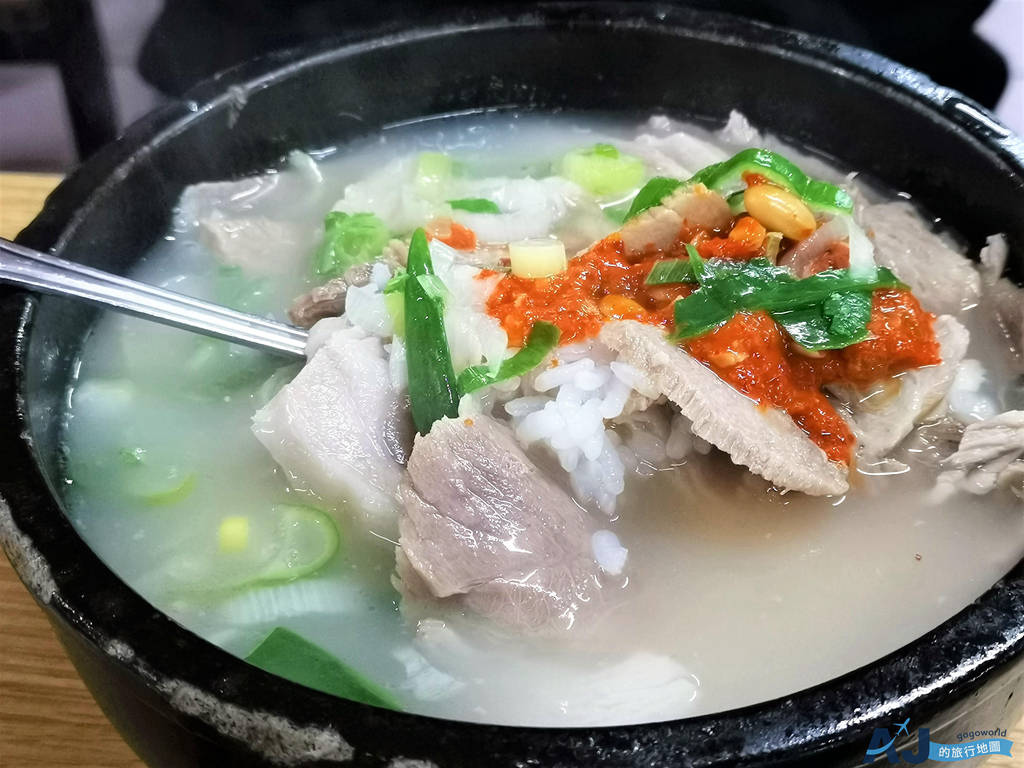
{"x":794,"y":294}
{"x":397,"y":282}
{"x":291,"y":656}
{"x":542,"y":339}
{"x":651,"y":194}
{"x":475,"y":205}
{"x":837,"y":322}
{"x":726,"y":178}
{"x":234,"y":289}
{"x":433,"y":388}
{"x":675,"y":270}
{"x":829,"y":310}
{"x":847,"y":314}
{"x":671,"y":271}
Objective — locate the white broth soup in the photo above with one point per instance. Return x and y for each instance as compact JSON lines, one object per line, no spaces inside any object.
{"x":680,"y":445}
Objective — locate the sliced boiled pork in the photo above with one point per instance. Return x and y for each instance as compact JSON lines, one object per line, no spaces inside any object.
{"x":340,"y":430}
{"x":764,"y":439}
{"x":482,"y":526}
{"x":943,"y":280}
{"x":881,"y":420}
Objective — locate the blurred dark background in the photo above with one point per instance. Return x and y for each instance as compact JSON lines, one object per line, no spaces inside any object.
{"x":74,"y":73}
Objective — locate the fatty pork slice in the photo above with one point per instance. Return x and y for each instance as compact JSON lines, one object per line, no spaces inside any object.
{"x":881,"y":420}
{"x":944,"y":281}
{"x":764,"y":439}
{"x":339,"y":429}
{"x":257,"y":244}
{"x":483,"y":526}
{"x":200,"y":201}
{"x":661,"y":227}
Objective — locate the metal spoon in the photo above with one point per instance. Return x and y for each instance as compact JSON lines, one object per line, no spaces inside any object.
{"x":40,"y":271}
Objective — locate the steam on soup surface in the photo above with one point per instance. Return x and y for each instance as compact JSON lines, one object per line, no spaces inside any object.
{"x":684,"y":445}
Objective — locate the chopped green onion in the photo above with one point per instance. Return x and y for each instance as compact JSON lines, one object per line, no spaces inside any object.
{"x":304,"y":540}
{"x":651,"y":194}
{"x":542,"y":339}
{"x":397,"y":282}
{"x":156,"y":485}
{"x":394,"y":296}
{"x":674,"y":270}
{"x":836,"y":322}
{"x":177,"y":486}
{"x":475,"y":205}
{"x":829,"y":310}
{"x":433,"y":172}
{"x":433,"y":388}
{"x":234,"y":289}
{"x":217,"y":368}
{"x":794,"y":294}
{"x":603,"y":171}
{"x":275,"y":546}
{"x":726,"y":178}
{"x":394,"y":302}
{"x":349,"y":239}
{"x":291,"y":656}
{"x":433,"y":286}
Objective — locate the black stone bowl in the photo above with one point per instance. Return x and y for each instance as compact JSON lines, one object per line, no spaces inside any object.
{"x":180,"y":701}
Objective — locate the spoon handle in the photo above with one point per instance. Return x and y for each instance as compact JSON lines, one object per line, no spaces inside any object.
{"x":48,"y":274}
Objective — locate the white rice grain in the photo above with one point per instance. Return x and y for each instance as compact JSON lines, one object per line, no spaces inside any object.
{"x":635,"y":379}
{"x":591,"y":380}
{"x":569,"y":459}
{"x":593,"y":446}
{"x":539,"y":425}
{"x":523,"y":406}
{"x":560,"y":375}
{"x":567,"y":406}
{"x":608,"y":552}
{"x":615,"y":398}
{"x":680,"y":439}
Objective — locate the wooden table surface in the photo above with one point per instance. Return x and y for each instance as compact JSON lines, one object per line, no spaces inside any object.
{"x":47,"y":717}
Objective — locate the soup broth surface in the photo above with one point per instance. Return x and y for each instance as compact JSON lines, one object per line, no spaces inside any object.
{"x":754,"y":593}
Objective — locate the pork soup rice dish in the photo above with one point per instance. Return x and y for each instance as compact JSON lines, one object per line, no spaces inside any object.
{"x":600,"y":422}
